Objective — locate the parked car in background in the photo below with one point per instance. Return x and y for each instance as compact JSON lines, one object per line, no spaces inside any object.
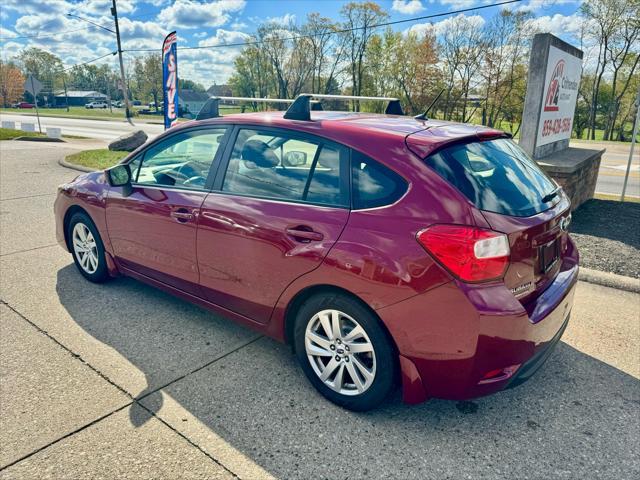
{"x":382,"y":248}
{"x":136,"y":103}
{"x":23,"y":105}
{"x":117,"y":104}
{"x":98,"y":104}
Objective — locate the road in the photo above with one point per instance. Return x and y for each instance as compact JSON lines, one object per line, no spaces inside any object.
{"x":610,"y":179}
{"x":100,"y":129}
{"x":121,"y":380}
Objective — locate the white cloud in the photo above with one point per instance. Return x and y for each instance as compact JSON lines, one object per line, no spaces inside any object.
{"x":439,"y":28}
{"x":284,"y":20}
{"x":211,"y":65}
{"x":191,"y":14}
{"x":459,"y":3}
{"x":407,"y":7}
{"x":10,"y":50}
{"x":6,"y":34}
{"x":535,"y":5}
{"x":103,"y":7}
{"x":237,"y":25}
{"x":37,"y":6}
{"x":559,"y":25}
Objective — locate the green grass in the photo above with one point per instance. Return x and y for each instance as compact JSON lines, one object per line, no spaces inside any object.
{"x":73,"y":112}
{"x":98,"y":159}
{"x":10,"y":134}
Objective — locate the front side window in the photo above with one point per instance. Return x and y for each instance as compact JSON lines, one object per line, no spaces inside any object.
{"x":283,"y":167}
{"x":182,"y":160}
{"x":496,"y":176}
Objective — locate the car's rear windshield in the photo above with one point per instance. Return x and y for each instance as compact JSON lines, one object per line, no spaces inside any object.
{"x":497,"y":176}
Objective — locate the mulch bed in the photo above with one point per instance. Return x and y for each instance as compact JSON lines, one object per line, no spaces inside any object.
{"x":608,"y":236}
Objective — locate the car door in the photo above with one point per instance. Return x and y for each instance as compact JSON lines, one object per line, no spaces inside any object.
{"x":280,"y":202}
{"x":153,"y":229}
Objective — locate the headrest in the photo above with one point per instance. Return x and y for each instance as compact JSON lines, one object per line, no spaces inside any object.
{"x":329,"y":158}
{"x":258,"y":152}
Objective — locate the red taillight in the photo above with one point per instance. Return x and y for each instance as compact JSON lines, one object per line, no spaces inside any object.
{"x":471,"y":254}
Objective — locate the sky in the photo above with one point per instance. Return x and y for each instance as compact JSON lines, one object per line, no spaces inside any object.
{"x":143,"y":25}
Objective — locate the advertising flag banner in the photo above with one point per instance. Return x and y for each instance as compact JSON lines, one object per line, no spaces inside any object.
{"x":170,"y":80}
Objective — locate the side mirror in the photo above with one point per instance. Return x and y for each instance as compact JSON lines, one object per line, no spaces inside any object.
{"x":294,"y":159}
{"x":120,"y":176}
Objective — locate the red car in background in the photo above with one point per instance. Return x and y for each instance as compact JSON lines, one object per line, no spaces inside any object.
{"x":23,"y":105}
{"x":381,"y":247}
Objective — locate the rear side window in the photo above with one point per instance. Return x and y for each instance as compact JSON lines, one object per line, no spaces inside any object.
{"x":374,"y":185}
{"x":496,"y":176}
{"x":283,"y":167}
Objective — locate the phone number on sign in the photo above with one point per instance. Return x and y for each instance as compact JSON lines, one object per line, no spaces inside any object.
{"x":554,"y":127}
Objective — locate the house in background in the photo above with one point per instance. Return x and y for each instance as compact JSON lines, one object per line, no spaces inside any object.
{"x":191,"y":102}
{"x":220,"y":91}
{"x":78,"y":98}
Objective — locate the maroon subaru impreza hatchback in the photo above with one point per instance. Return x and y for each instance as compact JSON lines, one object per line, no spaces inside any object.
{"x":381,"y":247}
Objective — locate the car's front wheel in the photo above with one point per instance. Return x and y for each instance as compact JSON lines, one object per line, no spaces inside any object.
{"x":344,"y":351}
{"x":87,"y":248}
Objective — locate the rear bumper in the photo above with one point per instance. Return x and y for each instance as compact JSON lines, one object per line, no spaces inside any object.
{"x":453,"y":336}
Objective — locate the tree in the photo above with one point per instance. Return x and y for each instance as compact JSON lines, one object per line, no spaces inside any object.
{"x":11,"y":83}
{"x":461,"y":46}
{"x":506,"y":44}
{"x":624,"y":54}
{"x":360,"y":20}
{"x":147,"y":73}
{"x":44,"y":66}
{"x":605,"y":18}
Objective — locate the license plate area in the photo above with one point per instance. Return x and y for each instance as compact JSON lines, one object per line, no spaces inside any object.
{"x":548,"y":255}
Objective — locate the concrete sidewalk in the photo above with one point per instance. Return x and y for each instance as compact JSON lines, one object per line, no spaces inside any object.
{"x":124,"y":381}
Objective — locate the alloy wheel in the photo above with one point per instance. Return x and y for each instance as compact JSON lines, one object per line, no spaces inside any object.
{"x":340,"y":352}
{"x":85,"y":248}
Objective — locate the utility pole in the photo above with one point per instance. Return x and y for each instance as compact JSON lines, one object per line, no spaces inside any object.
{"x":114,"y":12}
{"x":636,"y":121}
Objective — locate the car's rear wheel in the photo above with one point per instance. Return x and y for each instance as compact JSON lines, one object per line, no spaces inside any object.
{"x":87,"y":248}
{"x":344,"y":351}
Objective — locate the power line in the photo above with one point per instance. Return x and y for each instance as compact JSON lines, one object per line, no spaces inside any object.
{"x":333,"y":32}
{"x":89,"y":61}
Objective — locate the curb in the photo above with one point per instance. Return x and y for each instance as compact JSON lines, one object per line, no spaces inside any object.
{"x":607,"y":279}
{"x":63,"y":163}
{"x":38,"y":139}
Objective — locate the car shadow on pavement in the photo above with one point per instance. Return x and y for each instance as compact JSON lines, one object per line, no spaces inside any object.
{"x":576,"y":417}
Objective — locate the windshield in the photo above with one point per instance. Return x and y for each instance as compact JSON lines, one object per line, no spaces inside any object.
{"x":497,"y":176}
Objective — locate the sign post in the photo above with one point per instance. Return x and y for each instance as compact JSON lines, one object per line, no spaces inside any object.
{"x":33,"y":86}
{"x":170,"y":80}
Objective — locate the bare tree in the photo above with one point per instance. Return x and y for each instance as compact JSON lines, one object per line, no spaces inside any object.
{"x":360,"y":20}
{"x":604,"y":17}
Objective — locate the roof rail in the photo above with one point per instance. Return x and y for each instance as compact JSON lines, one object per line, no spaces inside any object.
{"x":211,"y":108}
{"x":301,"y":107}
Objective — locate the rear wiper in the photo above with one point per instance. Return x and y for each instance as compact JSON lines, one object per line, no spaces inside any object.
{"x":550,"y":196}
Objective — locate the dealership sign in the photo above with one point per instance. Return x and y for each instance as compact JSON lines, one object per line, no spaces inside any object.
{"x":560,"y":94}
{"x":170,"y":80}
{"x":555,"y":68}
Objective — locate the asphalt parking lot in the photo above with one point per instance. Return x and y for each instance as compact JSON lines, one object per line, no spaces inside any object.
{"x":122,"y":380}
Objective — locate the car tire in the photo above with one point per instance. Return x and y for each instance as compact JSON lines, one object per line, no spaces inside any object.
{"x":87,"y":248}
{"x":361,"y":348}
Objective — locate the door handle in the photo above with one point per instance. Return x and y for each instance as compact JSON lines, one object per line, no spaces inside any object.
{"x":182,"y":215}
{"x":304,"y":234}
